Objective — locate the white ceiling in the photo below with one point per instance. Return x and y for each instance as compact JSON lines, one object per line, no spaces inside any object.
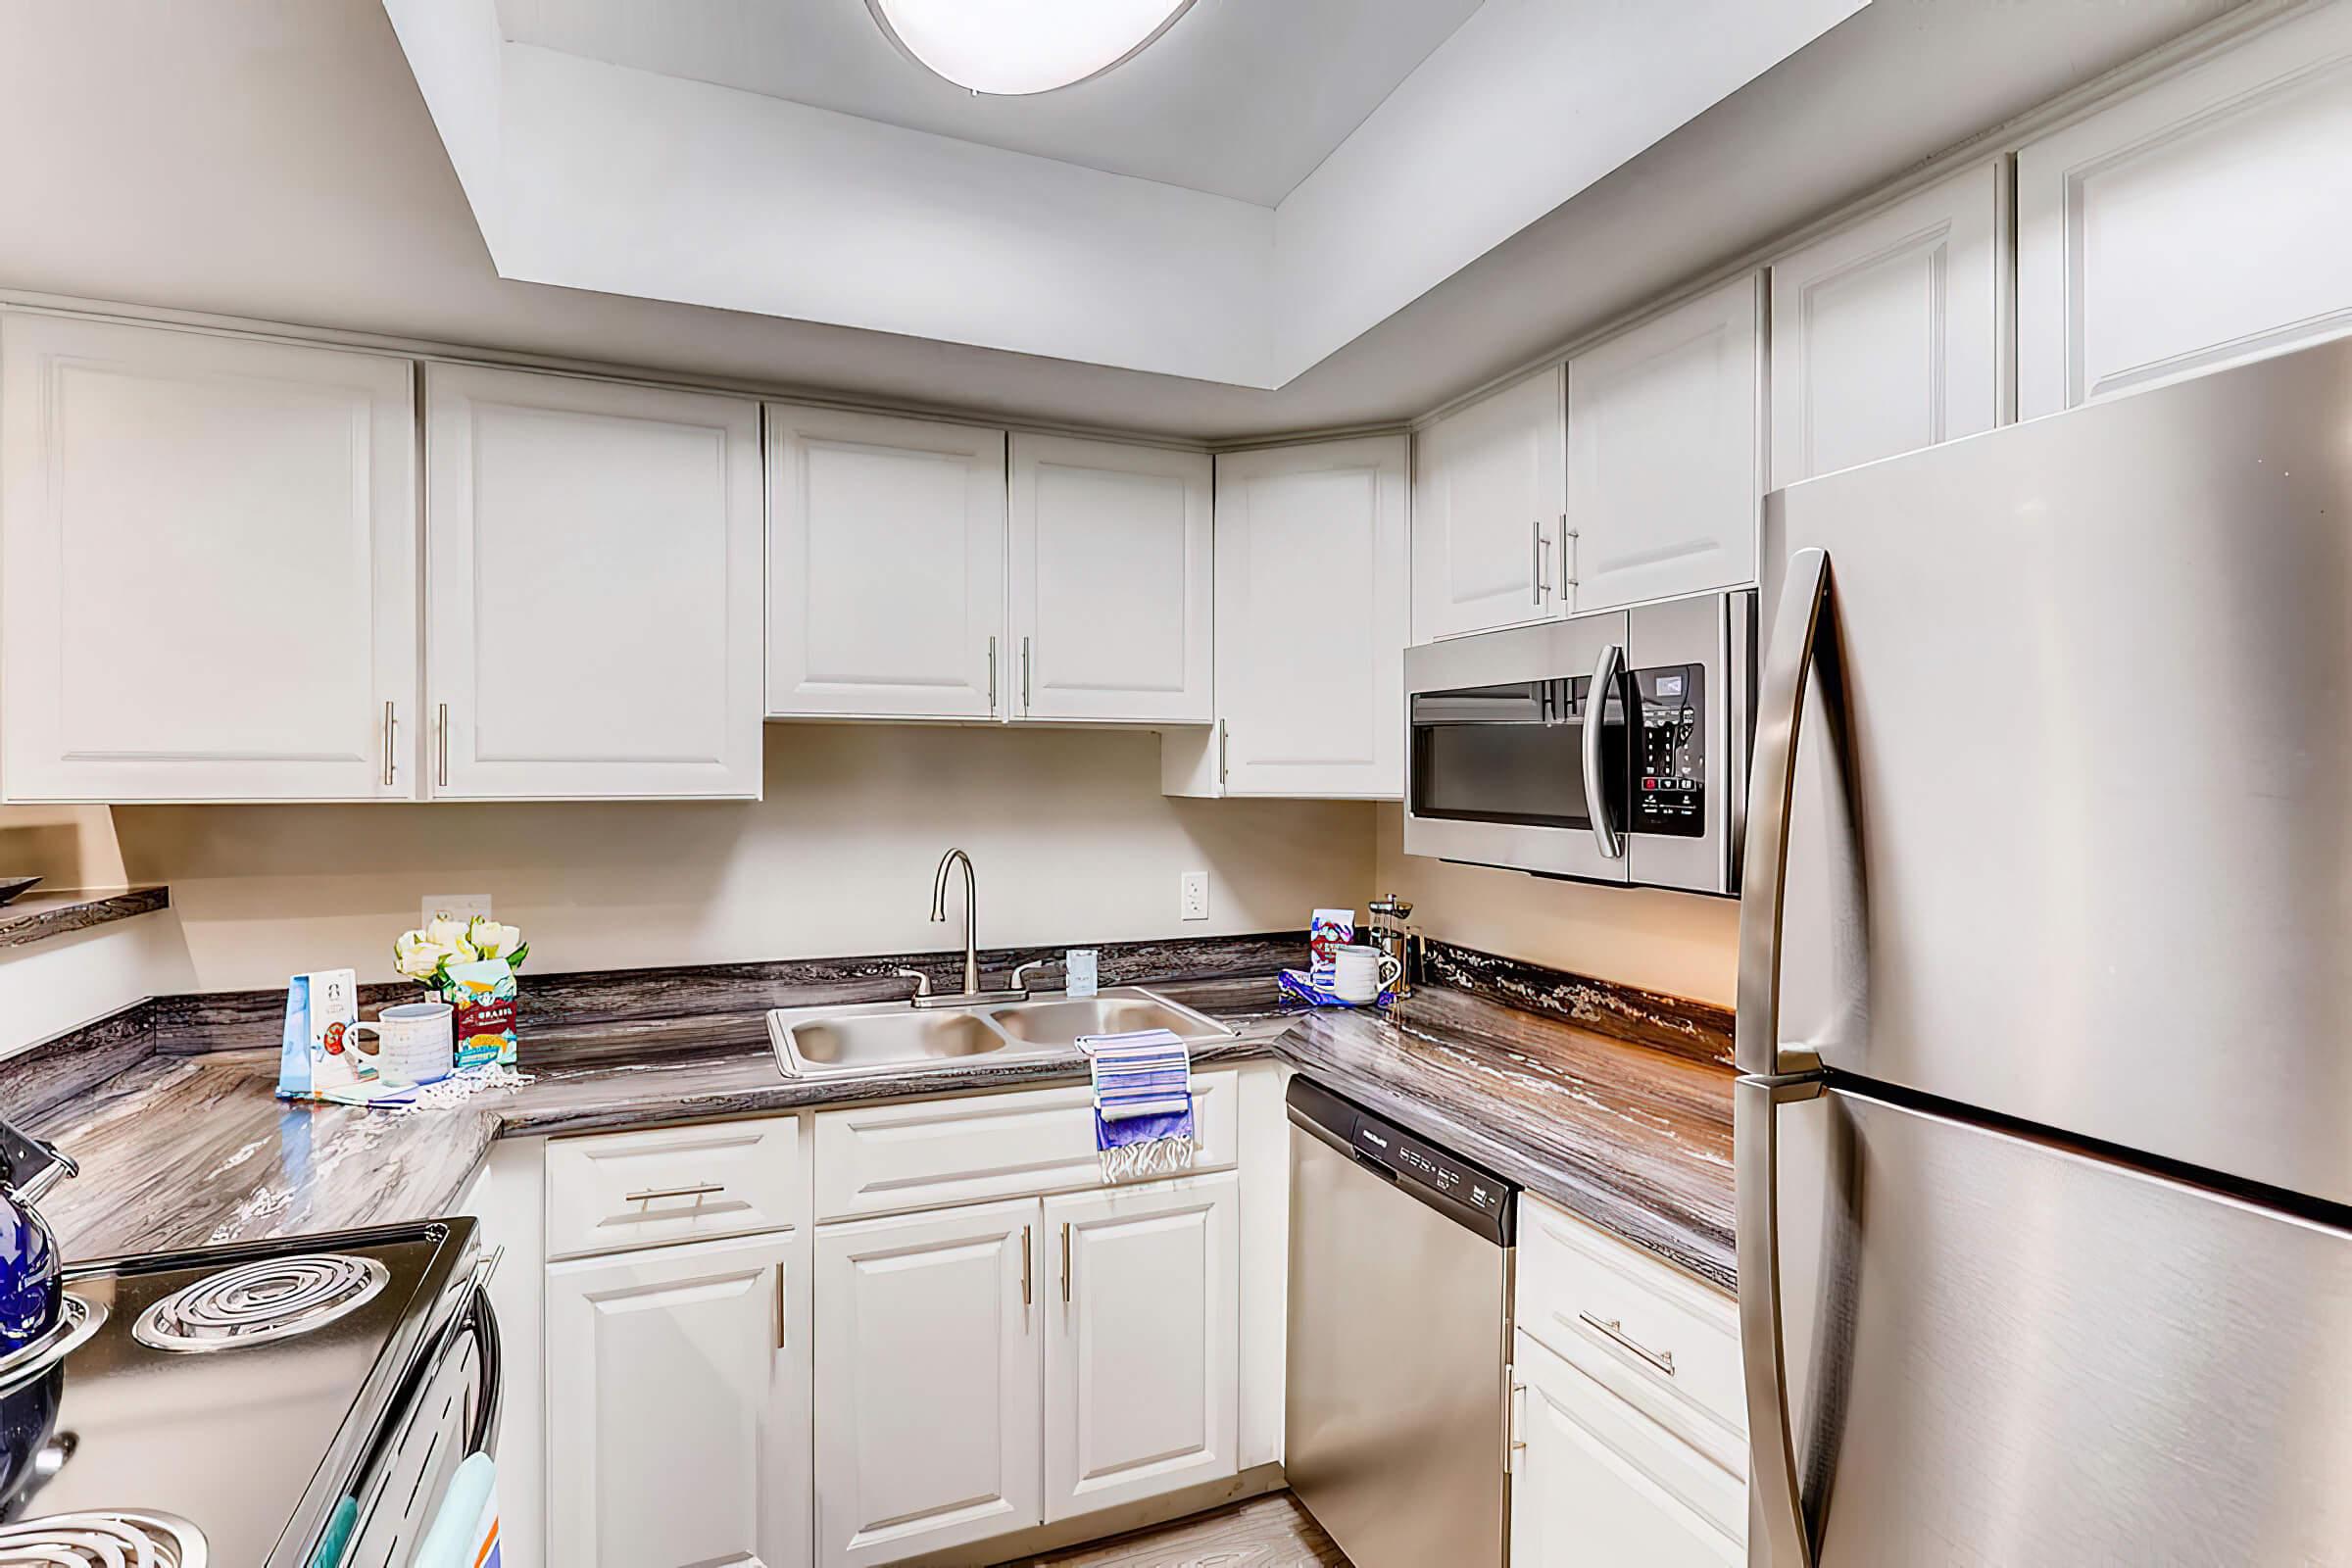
{"x":274,"y":160}
{"x":1241,"y":98}
{"x":609,"y":176}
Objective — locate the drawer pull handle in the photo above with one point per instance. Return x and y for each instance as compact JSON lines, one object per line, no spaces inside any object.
{"x":699,"y":1190}
{"x":1614,"y":1330}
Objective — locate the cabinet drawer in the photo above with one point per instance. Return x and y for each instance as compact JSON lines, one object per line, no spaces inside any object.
{"x":880,"y":1159}
{"x":672,"y":1183}
{"x":1662,"y":1341}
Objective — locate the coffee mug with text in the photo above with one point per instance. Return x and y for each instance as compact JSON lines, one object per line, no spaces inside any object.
{"x":414,"y":1042}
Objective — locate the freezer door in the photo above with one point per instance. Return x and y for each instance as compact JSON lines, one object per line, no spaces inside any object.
{"x":2000,"y":1351}
{"x":2068,"y":834}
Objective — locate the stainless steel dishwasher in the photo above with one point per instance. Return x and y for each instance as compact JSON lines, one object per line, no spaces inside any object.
{"x":1400,"y":1335}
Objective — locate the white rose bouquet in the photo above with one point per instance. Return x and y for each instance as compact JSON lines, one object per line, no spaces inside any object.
{"x":425,"y":956}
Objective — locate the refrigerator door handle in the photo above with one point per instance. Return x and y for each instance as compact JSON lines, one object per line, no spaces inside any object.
{"x":1797,"y":630}
{"x":1606,"y":672}
{"x":1771,"y":1444}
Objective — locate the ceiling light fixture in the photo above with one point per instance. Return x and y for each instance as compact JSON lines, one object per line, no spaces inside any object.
{"x":1012,"y":48}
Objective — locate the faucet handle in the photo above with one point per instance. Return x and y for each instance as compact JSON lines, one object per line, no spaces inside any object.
{"x":1021,"y":972}
{"x":922,"y":981}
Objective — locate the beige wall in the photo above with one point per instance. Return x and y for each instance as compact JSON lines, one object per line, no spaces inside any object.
{"x":1071,"y":836}
{"x":65,"y":846}
{"x":1679,"y":943}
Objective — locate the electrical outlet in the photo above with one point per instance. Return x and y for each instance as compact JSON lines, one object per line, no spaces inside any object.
{"x":457,"y":906}
{"x":1194,"y":893}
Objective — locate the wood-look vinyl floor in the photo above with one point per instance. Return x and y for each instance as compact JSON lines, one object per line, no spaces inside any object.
{"x":1269,"y":1532}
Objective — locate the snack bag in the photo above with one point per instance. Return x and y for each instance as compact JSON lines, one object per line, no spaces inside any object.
{"x":483,"y":993}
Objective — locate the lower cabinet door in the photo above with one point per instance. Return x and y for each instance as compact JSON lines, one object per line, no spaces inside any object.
{"x":1597,"y":1484}
{"x":1141,"y":1378}
{"x":927,"y":1379}
{"x":677,"y":1430}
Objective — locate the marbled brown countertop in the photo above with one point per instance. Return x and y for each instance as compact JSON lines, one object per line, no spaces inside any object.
{"x":184,"y":1151}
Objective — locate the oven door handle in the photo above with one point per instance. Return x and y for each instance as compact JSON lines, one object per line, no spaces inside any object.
{"x":490,"y":1357}
{"x":1607,"y":671}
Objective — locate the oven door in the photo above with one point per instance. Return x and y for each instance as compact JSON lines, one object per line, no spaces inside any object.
{"x":448,"y":1410}
{"x":1504,"y":769}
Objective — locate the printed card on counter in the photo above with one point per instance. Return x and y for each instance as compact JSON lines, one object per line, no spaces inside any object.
{"x":315,"y":1055}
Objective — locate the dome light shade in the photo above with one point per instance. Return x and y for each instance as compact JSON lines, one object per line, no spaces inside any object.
{"x":1011,"y":48}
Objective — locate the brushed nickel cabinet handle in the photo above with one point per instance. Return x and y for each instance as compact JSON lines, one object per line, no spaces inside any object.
{"x":647,"y":1195}
{"x":391,"y":729}
{"x":1066,"y":1262}
{"x":1224,"y":770}
{"x":1024,"y":673}
{"x":1614,"y":1329}
{"x":992,"y":674}
{"x":442,"y":727}
{"x":1024,"y":1268}
{"x":1534,"y":576}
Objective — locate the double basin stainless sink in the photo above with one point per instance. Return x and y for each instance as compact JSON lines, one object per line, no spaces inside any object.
{"x":892,"y":1037}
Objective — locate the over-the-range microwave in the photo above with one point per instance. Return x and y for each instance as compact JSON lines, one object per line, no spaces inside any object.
{"x":1506,"y":767}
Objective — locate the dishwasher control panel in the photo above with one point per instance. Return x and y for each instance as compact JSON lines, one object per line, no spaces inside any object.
{"x":1471,"y":1196}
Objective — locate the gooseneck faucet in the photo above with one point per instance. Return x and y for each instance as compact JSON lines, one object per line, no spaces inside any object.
{"x":970,"y":991}
{"x":971,"y":915}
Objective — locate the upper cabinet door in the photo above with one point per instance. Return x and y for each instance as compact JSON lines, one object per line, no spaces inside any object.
{"x":209,"y":552}
{"x":2198,"y":222}
{"x":885,"y":565}
{"x":1143,"y":1379}
{"x":1665,"y":451}
{"x":1111,"y":581}
{"x":1311,"y":684}
{"x":593,"y":583}
{"x":1487,"y":506}
{"x":1887,"y":334}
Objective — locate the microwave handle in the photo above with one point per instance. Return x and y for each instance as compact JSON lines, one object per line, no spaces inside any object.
{"x":1607,"y":671}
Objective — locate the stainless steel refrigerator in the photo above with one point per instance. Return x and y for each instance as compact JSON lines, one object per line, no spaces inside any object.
{"x":2044,"y":1138}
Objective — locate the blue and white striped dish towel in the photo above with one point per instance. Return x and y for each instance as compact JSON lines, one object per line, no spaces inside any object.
{"x":1143,"y":1103}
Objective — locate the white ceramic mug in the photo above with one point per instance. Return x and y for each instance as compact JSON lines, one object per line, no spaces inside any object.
{"x":1360,"y":974}
{"x":414,"y":1042}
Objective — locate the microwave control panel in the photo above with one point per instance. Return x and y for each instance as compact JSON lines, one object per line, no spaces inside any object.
{"x":1670,"y":764}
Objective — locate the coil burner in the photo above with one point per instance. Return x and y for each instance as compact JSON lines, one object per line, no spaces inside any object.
{"x":253,"y":1303}
{"x":118,"y":1538}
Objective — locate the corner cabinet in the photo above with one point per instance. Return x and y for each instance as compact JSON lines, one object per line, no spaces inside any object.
{"x":208,"y":567}
{"x":2197,"y":223}
{"x":1888,"y":335}
{"x":886,"y":566}
{"x":1111,"y":581}
{"x":1488,"y":499}
{"x":593,"y":588}
{"x":1666,"y":451}
{"x":1313,"y":561}
{"x":677,"y":1411}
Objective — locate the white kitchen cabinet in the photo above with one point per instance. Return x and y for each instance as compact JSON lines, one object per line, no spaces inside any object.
{"x":1666,"y":451}
{"x":593,"y":588}
{"x":1487,"y":498}
{"x":1313,"y":561}
{"x":927,"y":1381}
{"x":1142,"y":1376}
{"x":2199,"y":222}
{"x":885,"y":566}
{"x":1595,"y":1484}
{"x":1111,"y":581}
{"x":208,"y":558}
{"x":678,"y":1408}
{"x":1888,"y":335}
